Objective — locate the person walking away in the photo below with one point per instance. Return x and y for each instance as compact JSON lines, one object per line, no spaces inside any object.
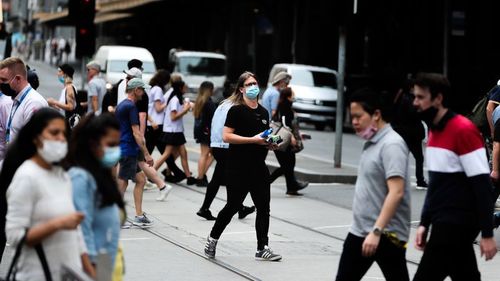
{"x":173,"y":129}
{"x":271,"y":95}
{"x":381,"y":205}
{"x":40,"y":212}
{"x":409,"y":126}
{"x":67,"y":103}
{"x":286,"y":158}
{"x":131,"y":141}
{"x":96,"y":88}
{"x":219,"y":150}
{"x":203,"y":113}
{"x":94,"y":150}
{"x":246,"y":169}
{"x":459,"y":202}
{"x":14,"y":83}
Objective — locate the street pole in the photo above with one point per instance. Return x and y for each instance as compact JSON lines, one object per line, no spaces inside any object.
{"x":339,"y":122}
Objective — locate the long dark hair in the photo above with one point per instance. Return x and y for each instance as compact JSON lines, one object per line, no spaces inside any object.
{"x":284,"y":104}
{"x":160,"y":79}
{"x":23,"y":147}
{"x":85,"y":138}
{"x":177,"y":90}
{"x":237,"y":97}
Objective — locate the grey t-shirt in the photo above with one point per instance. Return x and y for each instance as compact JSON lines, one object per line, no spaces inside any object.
{"x":96,"y":87}
{"x":384,"y":156}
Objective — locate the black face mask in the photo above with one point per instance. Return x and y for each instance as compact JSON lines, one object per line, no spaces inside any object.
{"x":428,"y":115}
{"x":7,"y":90}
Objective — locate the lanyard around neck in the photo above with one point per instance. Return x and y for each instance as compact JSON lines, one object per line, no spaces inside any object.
{"x":13,"y":111}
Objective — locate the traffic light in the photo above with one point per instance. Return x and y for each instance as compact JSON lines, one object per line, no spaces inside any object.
{"x":82,"y":14}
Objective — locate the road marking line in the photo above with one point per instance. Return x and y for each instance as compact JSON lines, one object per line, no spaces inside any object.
{"x":238,"y":232}
{"x":331,"y":226}
{"x":138,"y":238}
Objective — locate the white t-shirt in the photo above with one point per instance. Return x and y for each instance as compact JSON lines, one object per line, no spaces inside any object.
{"x":170,"y":126}
{"x":35,"y":196}
{"x":32,"y":102}
{"x":156,"y":94}
{"x":121,"y":94}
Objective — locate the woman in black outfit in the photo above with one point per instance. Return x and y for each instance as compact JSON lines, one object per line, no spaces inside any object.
{"x":246,"y":170}
{"x":286,"y":158}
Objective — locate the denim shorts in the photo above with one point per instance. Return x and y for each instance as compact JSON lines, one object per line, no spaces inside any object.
{"x":128,"y":168}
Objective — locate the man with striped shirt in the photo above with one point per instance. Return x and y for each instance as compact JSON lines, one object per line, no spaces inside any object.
{"x":459,"y":201}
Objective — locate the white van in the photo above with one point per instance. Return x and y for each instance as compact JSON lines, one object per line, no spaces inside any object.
{"x":113,"y":60}
{"x":315,"y":91}
{"x":197,"y":67}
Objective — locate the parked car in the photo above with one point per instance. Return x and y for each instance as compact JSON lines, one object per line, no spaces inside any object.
{"x":315,"y":92}
{"x":197,"y":67}
{"x":113,"y":60}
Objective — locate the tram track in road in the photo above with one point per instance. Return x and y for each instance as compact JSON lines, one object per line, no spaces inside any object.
{"x":304,"y":227}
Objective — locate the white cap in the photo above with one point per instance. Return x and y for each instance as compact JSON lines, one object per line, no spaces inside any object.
{"x":134,"y":72}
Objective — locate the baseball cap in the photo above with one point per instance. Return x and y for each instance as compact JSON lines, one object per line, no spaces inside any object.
{"x":67,"y":69}
{"x":94,"y":65}
{"x":137,"y":83}
{"x":134,"y":72}
{"x":280,"y":76}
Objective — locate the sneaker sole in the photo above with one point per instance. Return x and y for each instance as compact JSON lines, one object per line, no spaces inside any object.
{"x":142,"y":225}
{"x":209,"y":256}
{"x":278,"y":258}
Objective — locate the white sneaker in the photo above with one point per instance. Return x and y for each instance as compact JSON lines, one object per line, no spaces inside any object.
{"x":149,"y":185}
{"x":164,"y":193}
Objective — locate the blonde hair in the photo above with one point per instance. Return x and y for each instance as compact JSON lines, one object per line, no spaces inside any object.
{"x":15,"y":65}
{"x":204,"y":93}
{"x":237,"y":97}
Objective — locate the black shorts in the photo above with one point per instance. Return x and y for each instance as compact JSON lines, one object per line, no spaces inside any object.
{"x":203,"y":139}
{"x":128,"y":168}
{"x":174,"y":139}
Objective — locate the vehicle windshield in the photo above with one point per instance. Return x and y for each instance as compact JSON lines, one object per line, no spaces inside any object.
{"x":121,"y":65}
{"x":202,"y":66}
{"x":308,"y":78}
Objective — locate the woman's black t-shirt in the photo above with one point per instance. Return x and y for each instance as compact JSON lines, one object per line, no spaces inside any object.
{"x":246,"y":122}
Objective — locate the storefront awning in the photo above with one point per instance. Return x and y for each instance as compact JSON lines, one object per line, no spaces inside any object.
{"x":104,"y":17}
{"x":43,"y":17}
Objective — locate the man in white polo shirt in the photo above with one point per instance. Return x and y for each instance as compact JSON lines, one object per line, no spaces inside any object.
{"x":13,"y":79}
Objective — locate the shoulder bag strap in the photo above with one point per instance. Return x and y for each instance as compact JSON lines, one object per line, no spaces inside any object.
{"x":17,"y":254}
{"x":41,"y":255}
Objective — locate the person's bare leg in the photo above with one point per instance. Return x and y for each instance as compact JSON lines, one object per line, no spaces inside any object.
{"x":184,"y":160}
{"x":151,"y":174}
{"x":122,"y":185}
{"x":163,"y":157}
{"x":140,"y":181}
{"x":204,"y":161}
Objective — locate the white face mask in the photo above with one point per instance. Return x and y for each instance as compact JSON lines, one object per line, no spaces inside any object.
{"x":53,"y":151}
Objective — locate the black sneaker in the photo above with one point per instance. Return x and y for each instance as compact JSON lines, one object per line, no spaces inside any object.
{"x":294,"y":193}
{"x":267,"y":255}
{"x":191,"y":180}
{"x":202,"y":182}
{"x":210,"y":247}
{"x":205,"y":213}
{"x":422,"y":185}
{"x":245,"y":211}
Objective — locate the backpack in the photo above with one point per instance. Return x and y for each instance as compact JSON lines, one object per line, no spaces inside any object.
{"x":478,"y":114}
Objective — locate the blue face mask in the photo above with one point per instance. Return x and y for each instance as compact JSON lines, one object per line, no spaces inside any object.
{"x":61,"y":79}
{"x":111,"y":156}
{"x":252,"y":92}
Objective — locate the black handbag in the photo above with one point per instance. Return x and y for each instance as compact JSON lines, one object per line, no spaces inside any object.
{"x":11,"y":274}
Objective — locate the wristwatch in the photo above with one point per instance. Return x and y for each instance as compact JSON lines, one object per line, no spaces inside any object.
{"x":377,"y":231}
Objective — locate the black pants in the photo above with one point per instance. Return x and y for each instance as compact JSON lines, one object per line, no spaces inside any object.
{"x":220,"y":155}
{"x":153,"y":139}
{"x":449,"y":252}
{"x":238,"y":185}
{"x":415,"y":147}
{"x":286,"y":160}
{"x":390,"y":258}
